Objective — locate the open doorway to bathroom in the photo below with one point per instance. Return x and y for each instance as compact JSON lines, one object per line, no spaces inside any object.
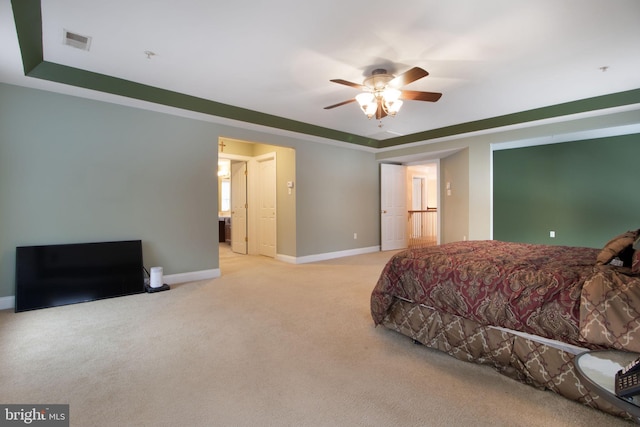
{"x":256,"y":198}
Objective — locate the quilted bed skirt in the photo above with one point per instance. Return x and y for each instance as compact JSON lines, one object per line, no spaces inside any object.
{"x":522,"y":359}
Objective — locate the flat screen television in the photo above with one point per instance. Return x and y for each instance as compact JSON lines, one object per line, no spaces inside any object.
{"x":54,"y":275}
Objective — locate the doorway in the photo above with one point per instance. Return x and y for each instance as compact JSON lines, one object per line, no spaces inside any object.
{"x":393,"y":207}
{"x":409,"y":198}
{"x":252,"y":215}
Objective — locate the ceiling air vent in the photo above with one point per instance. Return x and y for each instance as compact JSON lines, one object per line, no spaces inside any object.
{"x":76,"y":40}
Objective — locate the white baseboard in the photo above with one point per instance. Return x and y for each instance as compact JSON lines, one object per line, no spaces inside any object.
{"x":286,"y":258}
{"x":7,"y":303}
{"x":326,"y":256}
{"x":192,"y":276}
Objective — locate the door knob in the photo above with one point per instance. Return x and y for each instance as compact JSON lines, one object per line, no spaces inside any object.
{"x":384,"y":212}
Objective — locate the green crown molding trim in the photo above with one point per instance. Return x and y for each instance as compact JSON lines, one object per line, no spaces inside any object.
{"x":113,"y":85}
{"x":574,"y":107}
{"x":27,"y":15}
{"x":28,"y":21}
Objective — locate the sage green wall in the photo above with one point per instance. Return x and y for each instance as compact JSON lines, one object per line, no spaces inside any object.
{"x":337,"y":193}
{"x":78,"y":170}
{"x":75,"y":170}
{"x":585,"y":191}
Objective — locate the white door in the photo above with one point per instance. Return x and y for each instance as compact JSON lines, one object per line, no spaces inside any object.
{"x":266,"y":193}
{"x":239,"y":207}
{"x":393,"y":207}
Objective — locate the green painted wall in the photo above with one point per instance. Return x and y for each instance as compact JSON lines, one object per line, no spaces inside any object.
{"x":585,"y":191}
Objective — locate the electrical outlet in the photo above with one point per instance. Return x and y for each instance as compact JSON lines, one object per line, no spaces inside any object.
{"x":355,"y":236}
{"x":552,"y":234}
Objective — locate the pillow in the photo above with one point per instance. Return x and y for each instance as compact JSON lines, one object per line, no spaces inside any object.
{"x":616,"y":246}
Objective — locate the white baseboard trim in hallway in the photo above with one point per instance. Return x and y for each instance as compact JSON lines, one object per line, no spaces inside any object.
{"x":326,"y":256}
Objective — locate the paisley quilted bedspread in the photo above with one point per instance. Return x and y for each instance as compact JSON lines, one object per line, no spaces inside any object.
{"x":525,"y":287}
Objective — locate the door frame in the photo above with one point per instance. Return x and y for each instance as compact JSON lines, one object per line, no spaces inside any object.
{"x":435,"y":162}
{"x":408,"y":190}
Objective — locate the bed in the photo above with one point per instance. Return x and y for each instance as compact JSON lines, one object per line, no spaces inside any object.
{"x":527,"y":310}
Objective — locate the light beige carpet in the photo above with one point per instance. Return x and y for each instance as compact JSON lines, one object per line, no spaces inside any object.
{"x":267,"y":344}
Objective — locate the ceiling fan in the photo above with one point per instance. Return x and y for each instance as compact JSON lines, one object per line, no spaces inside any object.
{"x":381,"y":94}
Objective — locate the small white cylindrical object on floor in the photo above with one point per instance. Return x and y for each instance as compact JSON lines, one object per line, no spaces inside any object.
{"x":156,"y":277}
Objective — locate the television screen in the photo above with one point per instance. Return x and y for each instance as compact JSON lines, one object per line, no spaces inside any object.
{"x":53,"y":275}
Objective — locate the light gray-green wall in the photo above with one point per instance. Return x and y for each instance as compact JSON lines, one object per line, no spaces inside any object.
{"x":337,"y":193}
{"x":75,"y":170}
{"x":78,"y":170}
{"x":334,"y":200}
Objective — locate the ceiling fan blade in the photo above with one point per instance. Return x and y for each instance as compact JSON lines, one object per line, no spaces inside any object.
{"x":408,"y":77}
{"x":346,"y":83}
{"x":414,"y":95}
{"x":340,"y":103}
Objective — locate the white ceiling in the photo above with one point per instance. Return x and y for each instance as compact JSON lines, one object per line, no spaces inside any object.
{"x":488,"y":58}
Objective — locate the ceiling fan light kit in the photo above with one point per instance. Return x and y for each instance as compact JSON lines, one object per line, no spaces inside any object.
{"x":381,"y":96}
{"x":388,"y":99}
